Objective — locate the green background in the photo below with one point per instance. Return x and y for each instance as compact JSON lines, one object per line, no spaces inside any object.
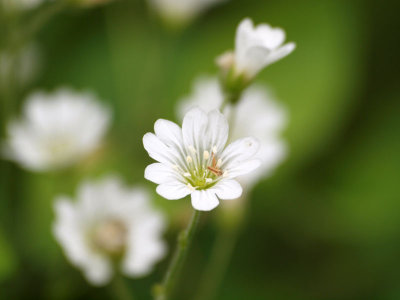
{"x":325,"y":226}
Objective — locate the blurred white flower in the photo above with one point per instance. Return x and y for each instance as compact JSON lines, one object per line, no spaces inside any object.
{"x":194,"y":160}
{"x":110,"y":227}
{"x":57,"y":130}
{"x":256,"y":114}
{"x":181,"y":11}
{"x":255,"y":48}
{"x":27,"y":64}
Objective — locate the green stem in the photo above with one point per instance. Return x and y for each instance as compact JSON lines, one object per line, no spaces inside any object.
{"x":120,"y":290}
{"x":163,"y":291}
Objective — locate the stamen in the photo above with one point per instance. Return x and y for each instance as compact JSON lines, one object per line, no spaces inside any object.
{"x":214,"y":149}
{"x":208,"y":180}
{"x":186,"y":174}
{"x":191,"y":148}
{"x":191,"y":187}
{"x":225,"y":174}
{"x":189,"y":159}
{"x":175,"y":167}
{"x":219,"y":163}
{"x":206,"y":155}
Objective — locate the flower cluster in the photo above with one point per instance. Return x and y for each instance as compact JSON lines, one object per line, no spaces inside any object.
{"x":229,"y":139}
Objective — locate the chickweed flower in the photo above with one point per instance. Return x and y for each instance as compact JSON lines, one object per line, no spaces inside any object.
{"x":256,"y":114}
{"x":56,"y":130}
{"x":255,"y":48}
{"x":194,"y":160}
{"x":181,"y":11}
{"x":109,"y":227}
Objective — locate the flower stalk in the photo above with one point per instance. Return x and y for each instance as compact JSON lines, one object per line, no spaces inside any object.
{"x":120,"y":290}
{"x":164,"y":290}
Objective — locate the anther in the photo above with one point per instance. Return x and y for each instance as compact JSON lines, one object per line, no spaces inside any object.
{"x":214,"y":149}
{"x":186,"y":174}
{"x":191,"y":148}
{"x":189,"y":159}
{"x":225,"y":174}
{"x":219,"y":163}
{"x":206,"y":154}
{"x":208,"y":180}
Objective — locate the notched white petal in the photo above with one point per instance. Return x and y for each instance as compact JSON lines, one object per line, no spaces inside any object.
{"x":159,"y":173}
{"x":173,"y":191}
{"x":204,"y":200}
{"x":228,"y":189}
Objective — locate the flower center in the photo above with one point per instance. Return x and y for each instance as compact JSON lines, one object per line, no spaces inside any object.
{"x":110,"y":237}
{"x":201,"y":170}
{"x":59,"y":148}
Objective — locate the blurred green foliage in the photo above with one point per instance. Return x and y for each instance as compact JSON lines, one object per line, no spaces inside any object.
{"x":325,"y":226}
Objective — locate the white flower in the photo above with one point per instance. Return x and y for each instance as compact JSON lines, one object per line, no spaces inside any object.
{"x":255,"y":48}
{"x":181,"y":11}
{"x":194,"y":160}
{"x":108,"y":227}
{"x":256,"y":114}
{"x":56,"y":130}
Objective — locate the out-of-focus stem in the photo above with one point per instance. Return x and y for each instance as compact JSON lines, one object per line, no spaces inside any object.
{"x":163,"y":292}
{"x":120,"y":290}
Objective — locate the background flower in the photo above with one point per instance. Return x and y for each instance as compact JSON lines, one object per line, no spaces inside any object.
{"x":56,"y":130}
{"x":256,"y":48}
{"x":109,"y":226}
{"x":181,"y":11}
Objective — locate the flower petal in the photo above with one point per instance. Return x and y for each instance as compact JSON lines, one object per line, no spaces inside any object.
{"x":271,"y":37}
{"x":173,"y":191}
{"x":204,"y":200}
{"x":228,"y":189}
{"x":244,"y":167}
{"x":279,"y":53}
{"x":169,"y":133}
{"x":242,"y":41}
{"x":144,"y":244}
{"x":218,"y":130}
{"x":239,"y":151}
{"x":255,"y":60}
{"x":157,"y":149}
{"x":159,"y":173}
{"x":193,"y":128}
